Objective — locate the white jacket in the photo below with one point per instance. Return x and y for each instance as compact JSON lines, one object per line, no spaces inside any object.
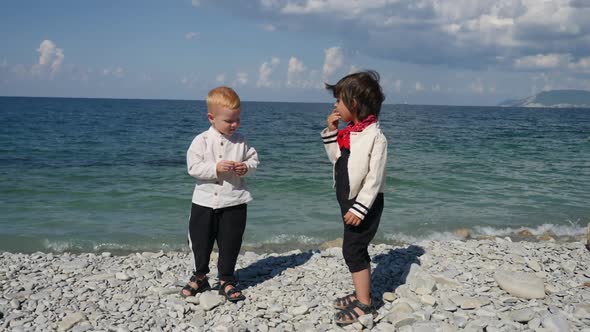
{"x":366,"y":164}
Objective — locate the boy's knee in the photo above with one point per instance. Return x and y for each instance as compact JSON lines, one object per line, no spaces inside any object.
{"x":357,"y":264}
{"x":356,"y":260}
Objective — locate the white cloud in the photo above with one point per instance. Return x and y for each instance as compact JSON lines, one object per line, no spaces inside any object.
{"x":191,"y":81}
{"x":542,"y":61}
{"x":583,"y":64}
{"x":467,"y":34}
{"x":241,"y":78}
{"x":398,"y":85}
{"x":436,"y":88}
{"x":477,"y":86}
{"x":353,"y":69}
{"x":191,"y":35}
{"x":196,"y":3}
{"x":265,"y":71}
{"x":348,"y":8}
{"x":220,"y":78}
{"x":333,"y":60}
{"x":118,"y":72}
{"x":268,"y":27}
{"x":50,"y":58}
{"x":418,"y":86}
{"x":295,"y":69}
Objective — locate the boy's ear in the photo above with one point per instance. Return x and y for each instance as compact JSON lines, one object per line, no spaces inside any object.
{"x":210,"y":117}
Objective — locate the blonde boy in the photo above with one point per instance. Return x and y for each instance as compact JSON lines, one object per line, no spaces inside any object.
{"x":219,"y":158}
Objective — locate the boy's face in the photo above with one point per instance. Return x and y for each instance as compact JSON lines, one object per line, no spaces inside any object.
{"x":225,"y":120}
{"x":345,"y":114}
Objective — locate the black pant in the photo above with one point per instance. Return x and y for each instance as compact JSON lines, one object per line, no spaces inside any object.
{"x":226,"y":226}
{"x":356,"y":239}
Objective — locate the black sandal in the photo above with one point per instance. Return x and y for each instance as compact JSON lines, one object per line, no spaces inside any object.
{"x":349,"y":315}
{"x":202,"y":286}
{"x":228,"y":295}
{"x":343,"y":302}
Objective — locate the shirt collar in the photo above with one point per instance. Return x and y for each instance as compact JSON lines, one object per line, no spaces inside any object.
{"x":215,"y":132}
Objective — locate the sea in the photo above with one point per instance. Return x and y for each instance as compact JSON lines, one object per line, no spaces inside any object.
{"x":95,"y":175}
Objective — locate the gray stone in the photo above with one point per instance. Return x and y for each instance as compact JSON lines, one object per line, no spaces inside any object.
{"x":122,"y":276}
{"x":522,"y":315}
{"x":366,"y":321}
{"x":582,"y":311}
{"x":70,"y":320}
{"x":420,"y":280}
{"x":402,"y":307}
{"x":210,"y":300}
{"x":300,"y":310}
{"x":555,"y":323}
{"x":520,"y":284}
{"x":534,"y":265}
{"x":389,"y":297}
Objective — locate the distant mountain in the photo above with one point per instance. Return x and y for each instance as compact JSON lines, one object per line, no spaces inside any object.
{"x":553,"y":98}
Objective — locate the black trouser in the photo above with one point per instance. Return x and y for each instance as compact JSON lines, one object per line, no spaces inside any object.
{"x":356,"y":239}
{"x":226,"y":226}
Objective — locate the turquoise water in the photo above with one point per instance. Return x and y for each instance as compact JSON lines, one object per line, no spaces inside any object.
{"x":103,"y":174}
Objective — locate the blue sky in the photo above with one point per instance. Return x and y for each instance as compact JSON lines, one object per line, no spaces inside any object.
{"x":456,"y":52}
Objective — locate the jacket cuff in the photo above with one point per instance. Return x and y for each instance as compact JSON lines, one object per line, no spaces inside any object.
{"x":329,"y":136}
{"x":359,"y":210}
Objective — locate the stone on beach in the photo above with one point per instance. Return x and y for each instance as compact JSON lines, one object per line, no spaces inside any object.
{"x":122,"y":276}
{"x":210,"y":300}
{"x":419,"y":280}
{"x":555,"y":322}
{"x":522,"y":315}
{"x":389,"y":296}
{"x":520,"y":284}
{"x":70,"y":320}
{"x":431,"y":286}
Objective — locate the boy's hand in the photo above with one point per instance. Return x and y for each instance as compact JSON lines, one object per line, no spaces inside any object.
{"x":351,"y":219}
{"x":225,"y":166}
{"x":333,"y":119}
{"x":240,"y":168}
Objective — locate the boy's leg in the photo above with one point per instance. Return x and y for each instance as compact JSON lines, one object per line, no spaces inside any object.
{"x":362,"y":285}
{"x":231,"y":226}
{"x":356,"y":240}
{"x":201,"y":237}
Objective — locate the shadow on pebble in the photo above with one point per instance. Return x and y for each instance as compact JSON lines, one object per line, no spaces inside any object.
{"x":392,"y":269}
{"x":269,"y":267}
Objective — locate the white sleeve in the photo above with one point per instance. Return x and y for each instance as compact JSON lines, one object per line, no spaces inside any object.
{"x":331,"y":144}
{"x":196,"y":164}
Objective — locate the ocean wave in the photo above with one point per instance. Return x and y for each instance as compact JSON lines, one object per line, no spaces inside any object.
{"x":89,"y":246}
{"x":288,"y":238}
{"x":572,"y":230}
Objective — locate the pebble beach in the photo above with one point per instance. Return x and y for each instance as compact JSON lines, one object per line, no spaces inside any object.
{"x":471,"y":285}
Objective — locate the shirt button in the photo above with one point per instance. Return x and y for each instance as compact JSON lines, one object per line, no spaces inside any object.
{"x":215,"y":194}
{"x":221,"y":143}
{"x":219,"y":156}
{"x":216,"y":182}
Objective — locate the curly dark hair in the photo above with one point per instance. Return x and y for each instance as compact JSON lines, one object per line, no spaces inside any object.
{"x":362,"y":87}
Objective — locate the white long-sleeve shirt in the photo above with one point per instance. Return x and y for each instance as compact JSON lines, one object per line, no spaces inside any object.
{"x":219,"y":190}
